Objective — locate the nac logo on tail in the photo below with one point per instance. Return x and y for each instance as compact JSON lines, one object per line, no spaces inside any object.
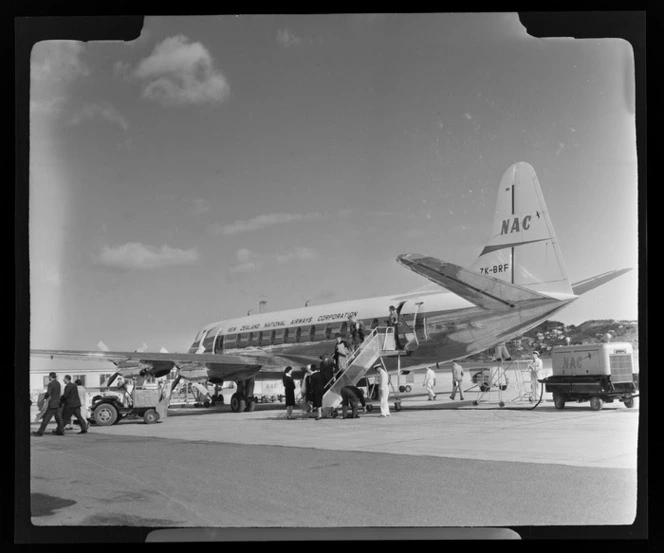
{"x":514,"y":224}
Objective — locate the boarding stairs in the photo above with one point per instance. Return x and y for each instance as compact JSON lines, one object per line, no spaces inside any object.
{"x":379,"y":343}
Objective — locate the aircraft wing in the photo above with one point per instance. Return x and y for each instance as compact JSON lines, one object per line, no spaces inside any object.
{"x":588,"y":284}
{"x":484,"y":291}
{"x":191,"y":365}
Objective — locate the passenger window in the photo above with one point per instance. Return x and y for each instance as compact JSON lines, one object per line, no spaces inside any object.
{"x":220,"y":344}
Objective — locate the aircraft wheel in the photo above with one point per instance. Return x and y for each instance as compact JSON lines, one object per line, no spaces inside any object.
{"x":558,"y":401}
{"x":629,"y":402}
{"x":408,"y":389}
{"x":475,"y":402}
{"x":501,"y":404}
{"x":250,"y":407}
{"x":402,"y":389}
{"x":596,"y":403}
{"x":369,"y":407}
{"x":150,"y":416}
{"x":105,"y":414}
{"x":235,"y":403}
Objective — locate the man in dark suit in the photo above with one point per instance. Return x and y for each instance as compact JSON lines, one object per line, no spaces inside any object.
{"x":326,"y":368}
{"x":53,"y":397}
{"x":71,"y":402}
{"x":354,"y":396}
{"x":317,"y":381}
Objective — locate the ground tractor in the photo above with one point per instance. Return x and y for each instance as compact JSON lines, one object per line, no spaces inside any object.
{"x":597,"y":373}
{"x":111,"y":406}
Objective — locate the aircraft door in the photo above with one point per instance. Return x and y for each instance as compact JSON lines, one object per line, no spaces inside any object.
{"x":414,"y":322}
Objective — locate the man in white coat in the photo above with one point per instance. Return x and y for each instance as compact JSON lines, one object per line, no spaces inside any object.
{"x":383,"y":390}
{"x":430,"y":382}
{"x":535,"y":367}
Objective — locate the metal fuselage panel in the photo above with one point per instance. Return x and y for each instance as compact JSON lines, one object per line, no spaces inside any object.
{"x":446,"y":326}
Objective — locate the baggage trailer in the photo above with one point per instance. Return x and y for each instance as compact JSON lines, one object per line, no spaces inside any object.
{"x":597,"y":373}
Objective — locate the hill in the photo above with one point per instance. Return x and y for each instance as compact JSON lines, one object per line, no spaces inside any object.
{"x":554,"y":333}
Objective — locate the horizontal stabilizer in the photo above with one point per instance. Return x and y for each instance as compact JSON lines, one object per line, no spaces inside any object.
{"x":484,"y":291}
{"x":588,"y":284}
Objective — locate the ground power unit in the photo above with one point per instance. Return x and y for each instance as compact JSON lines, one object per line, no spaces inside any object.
{"x":597,"y":373}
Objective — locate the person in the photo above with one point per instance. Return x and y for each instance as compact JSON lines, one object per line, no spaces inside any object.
{"x":71,"y":403}
{"x":457,"y":378}
{"x":83,"y":398}
{"x":142,"y":377}
{"x":317,"y":381}
{"x":53,"y":391}
{"x":393,"y":321}
{"x":340,"y":354}
{"x":289,"y":390}
{"x":430,"y":382}
{"x":535,"y":367}
{"x":356,"y":332}
{"x":327,"y":368}
{"x":383,"y":390}
{"x":306,"y":390}
{"x":42,"y":405}
{"x":354,"y":396}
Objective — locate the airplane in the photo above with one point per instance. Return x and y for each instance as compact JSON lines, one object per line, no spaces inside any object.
{"x":518,"y":281}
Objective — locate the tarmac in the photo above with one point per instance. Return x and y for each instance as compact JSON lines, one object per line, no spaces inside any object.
{"x":430,"y":465}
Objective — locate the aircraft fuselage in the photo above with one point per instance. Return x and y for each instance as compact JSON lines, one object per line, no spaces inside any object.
{"x":445,"y":326}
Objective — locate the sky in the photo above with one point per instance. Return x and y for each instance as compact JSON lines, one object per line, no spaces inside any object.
{"x":218,"y":161}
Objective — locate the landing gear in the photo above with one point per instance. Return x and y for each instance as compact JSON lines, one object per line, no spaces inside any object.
{"x":243,"y":399}
{"x":629,"y":402}
{"x":235,"y":403}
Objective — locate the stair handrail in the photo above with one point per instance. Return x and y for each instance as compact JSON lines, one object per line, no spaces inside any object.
{"x":351,"y":359}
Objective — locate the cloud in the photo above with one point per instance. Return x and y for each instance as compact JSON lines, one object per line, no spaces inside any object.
{"x":298,"y":254}
{"x":287,"y":39}
{"x":200,"y":206}
{"x":468,"y":116}
{"x":261,"y":222}
{"x":52,"y":106}
{"x":47,"y":274}
{"x":250,"y":261}
{"x":135,"y":256}
{"x":100,"y":111}
{"x":181,"y":72}
{"x":61,"y":61}
{"x":122,"y":70}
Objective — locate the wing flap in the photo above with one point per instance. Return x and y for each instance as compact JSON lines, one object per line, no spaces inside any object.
{"x":484,"y":291}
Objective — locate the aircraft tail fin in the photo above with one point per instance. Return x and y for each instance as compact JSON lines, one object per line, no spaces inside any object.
{"x":523,"y":249}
